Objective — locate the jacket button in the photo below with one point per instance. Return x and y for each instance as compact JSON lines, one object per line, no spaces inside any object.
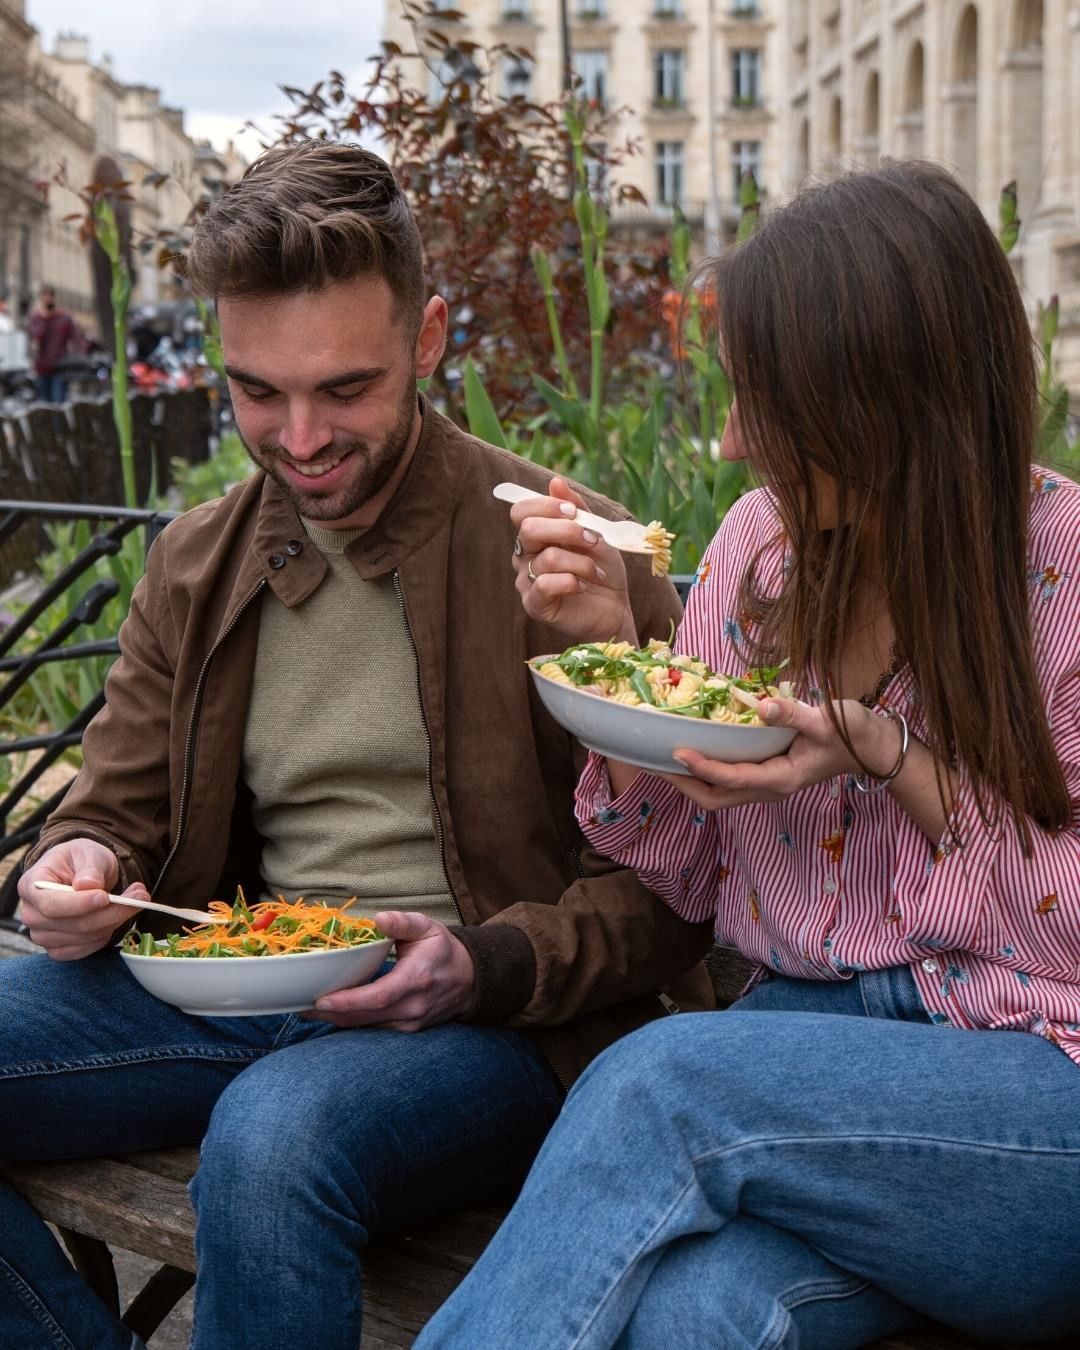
{"x":276,"y":560}
{"x":293,"y":547}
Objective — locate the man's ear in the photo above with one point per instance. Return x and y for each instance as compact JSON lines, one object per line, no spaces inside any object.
{"x":431,"y":340}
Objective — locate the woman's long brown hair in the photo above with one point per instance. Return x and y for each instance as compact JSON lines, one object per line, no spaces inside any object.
{"x":873,"y":331}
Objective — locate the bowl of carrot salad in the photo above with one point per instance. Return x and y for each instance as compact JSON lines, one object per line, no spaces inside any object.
{"x":276,"y":956}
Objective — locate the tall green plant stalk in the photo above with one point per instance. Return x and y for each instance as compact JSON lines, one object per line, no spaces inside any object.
{"x":542,"y":266}
{"x":108,"y":237}
{"x":592,"y":221}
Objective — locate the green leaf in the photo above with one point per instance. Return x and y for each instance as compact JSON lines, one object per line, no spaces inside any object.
{"x":1051,"y":439}
{"x":482,"y":417}
{"x":573,"y":416}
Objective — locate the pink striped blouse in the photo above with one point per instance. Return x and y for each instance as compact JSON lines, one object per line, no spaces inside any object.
{"x":831,"y":881}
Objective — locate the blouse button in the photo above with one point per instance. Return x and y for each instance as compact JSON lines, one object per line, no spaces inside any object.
{"x":276,"y":560}
{"x":930,"y":966}
{"x":834,"y":788}
{"x":830,"y":885}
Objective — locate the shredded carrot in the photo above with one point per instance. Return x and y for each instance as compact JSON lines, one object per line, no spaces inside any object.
{"x":295,"y":926}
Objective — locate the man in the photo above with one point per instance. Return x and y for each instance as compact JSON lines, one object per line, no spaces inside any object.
{"x":322,"y":691}
{"x":55,"y":337}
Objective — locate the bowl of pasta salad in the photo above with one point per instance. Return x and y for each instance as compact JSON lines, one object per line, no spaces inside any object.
{"x":639,"y":705}
{"x":275,"y":956}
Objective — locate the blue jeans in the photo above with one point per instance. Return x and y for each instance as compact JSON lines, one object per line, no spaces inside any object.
{"x":315,"y":1139}
{"x":51,"y":388}
{"x":815,"y":1168}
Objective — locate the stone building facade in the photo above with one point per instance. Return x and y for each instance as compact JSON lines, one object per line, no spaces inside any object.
{"x":40,"y":130}
{"x":989,"y":87}
{"x":694,"y":82}
{"x":60,"y":107}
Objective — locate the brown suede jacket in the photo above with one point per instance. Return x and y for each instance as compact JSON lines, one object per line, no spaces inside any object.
{"x":565,"y":944}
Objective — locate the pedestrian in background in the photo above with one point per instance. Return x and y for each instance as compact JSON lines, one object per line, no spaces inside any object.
{"x":55,"y":336}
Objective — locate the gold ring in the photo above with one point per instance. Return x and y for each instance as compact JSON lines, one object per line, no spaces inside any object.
{"x":531,"y":573}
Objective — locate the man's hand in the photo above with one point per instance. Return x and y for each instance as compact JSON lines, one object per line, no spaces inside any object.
{"x":431,"y":983}
{"x":71,"y":926}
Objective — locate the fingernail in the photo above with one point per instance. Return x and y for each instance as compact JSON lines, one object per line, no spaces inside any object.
{"x":601,"y":574}
{"x":568,"y":508}
{"x":770,"y":712}
{"x":589,"y":537}
{"x":681,"y":758}
{"x":323,"y":1005}
{"x":580,"y":584}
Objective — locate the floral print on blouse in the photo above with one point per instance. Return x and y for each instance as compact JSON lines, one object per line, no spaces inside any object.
{"x":831,"y":881}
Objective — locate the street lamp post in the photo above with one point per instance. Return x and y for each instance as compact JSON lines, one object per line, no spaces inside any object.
{"x":567,"y":58}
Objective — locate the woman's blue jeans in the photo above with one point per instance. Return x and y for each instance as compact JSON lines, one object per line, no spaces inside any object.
{"x":315,"y":1139}
{"x":817,"y":1167}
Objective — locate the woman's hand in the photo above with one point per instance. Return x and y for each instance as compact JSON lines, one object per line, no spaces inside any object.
{"x":816,"y":753}
{"x":567,"y":576}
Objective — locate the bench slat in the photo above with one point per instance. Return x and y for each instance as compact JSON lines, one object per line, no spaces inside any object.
{"x":177,"y":1164}
{"x":118,"y":1203}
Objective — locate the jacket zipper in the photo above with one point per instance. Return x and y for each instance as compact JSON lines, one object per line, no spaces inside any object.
{"x":196,"y":709}
{"x":439,"y":836}
{"x":438,"y":816}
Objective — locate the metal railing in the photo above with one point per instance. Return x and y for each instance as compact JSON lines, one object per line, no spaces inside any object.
{"x":115,"y":524}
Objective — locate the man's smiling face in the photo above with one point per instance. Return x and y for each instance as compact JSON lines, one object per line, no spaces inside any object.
{"x":324,"y":392}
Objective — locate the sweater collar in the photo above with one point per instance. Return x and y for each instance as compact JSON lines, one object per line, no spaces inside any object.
{"x":425,"y":498}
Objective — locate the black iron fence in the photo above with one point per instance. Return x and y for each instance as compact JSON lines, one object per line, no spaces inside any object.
{"x":22,"y":809}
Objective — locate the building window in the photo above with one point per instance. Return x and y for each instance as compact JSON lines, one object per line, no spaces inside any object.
{"x":745,"y":9}
{"x":746,"y":78}
{"x":516,"y":77}
{"x":590,"y":9}
{"x":668,"y":9}
{"x":745,"y":156}
{"x":668,"y":84}
{"x":591,"y":68}
{"x":515,"y":11}
{"x":452,"y":67}
{"x":669,"y":173}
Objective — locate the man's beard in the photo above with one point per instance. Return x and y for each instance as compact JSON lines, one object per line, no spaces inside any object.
{"x":371,"y":467}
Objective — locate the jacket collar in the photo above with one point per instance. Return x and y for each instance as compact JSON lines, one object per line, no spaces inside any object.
{"x":282,"y":553}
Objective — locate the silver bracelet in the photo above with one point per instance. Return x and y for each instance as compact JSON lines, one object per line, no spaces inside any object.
{"x":860,"y":779}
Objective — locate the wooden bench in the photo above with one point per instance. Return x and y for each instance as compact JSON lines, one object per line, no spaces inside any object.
{"x":140,"y":1202}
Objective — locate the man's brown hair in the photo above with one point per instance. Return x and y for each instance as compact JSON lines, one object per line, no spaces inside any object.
{"x":304,"y":217}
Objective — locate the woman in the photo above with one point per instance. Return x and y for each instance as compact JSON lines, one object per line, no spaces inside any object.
{"x":887,"y":1125}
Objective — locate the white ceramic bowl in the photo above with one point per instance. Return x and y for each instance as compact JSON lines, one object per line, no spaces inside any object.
{"x":245,"y":986}
{"x":646,"y":736}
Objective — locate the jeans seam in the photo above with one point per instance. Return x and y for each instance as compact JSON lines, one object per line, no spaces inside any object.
{"x":832,"y":1139}
{"x":30,"y":1298}
{"x":41,"y":1068}
{"x":811,"y":1291}
{"x":626,"y":1265}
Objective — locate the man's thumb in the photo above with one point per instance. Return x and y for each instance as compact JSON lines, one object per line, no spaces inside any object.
{"x":403,"y":927}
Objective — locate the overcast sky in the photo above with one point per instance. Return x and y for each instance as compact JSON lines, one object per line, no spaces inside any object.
{"x":221,"y":60}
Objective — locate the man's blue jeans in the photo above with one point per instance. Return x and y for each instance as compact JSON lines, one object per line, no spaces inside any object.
{"x":308,"y":1151}
{"x":815,"y":1168}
